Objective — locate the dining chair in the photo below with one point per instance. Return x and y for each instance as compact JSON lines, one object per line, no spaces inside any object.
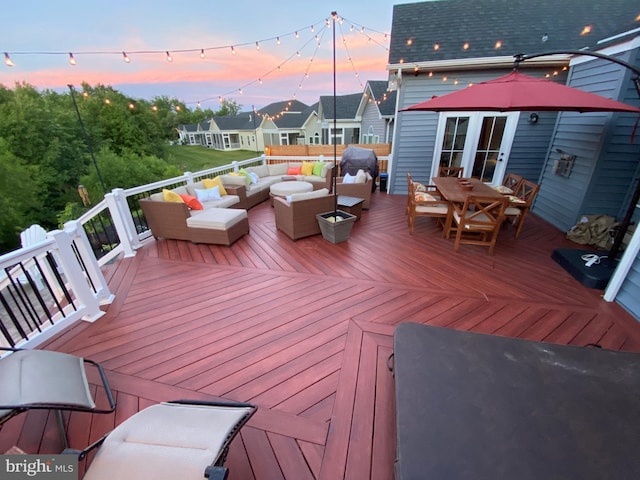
{"x":424,"y":201}
{"x":477,"y":221}
{"x":520,"y":203}
{"x":445,"y":171}
{"x":509,"y":184}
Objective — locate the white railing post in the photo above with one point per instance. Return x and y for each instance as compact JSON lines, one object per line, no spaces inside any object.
{"x":88,"y":301}
{"x":235,"y":166}
{"x":92,"y":268}
{"x":123,"y":221}
{"x":189,"y":178}
{"x":264,"y":159}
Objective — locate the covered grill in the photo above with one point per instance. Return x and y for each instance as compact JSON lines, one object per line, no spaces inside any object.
{"x":356,"y":158}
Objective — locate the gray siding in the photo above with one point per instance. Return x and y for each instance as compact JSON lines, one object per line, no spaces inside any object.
{"x":415,"y":132}
{"x":371,"y":117}
{"x":605,"y":158}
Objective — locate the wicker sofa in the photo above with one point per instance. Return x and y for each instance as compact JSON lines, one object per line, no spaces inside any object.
{"x":297,"y":217}
{"x":169,"y":219}
{"x":252,"y":193}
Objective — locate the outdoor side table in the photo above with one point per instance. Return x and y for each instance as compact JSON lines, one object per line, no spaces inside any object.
{"x":352,"y":205}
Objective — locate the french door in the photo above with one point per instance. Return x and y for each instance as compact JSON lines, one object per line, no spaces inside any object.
{"x":479,"y":142}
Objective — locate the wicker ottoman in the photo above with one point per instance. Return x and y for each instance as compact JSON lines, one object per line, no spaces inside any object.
{"x":221,"y":226}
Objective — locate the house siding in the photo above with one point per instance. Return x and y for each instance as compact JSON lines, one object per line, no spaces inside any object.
{"x":415,"y":132}
{"x":371,"y":118}
{"x":629,"y":294}
{"x":605,"y":161}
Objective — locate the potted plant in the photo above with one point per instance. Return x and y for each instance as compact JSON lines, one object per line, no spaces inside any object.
{"x":335,"y":226}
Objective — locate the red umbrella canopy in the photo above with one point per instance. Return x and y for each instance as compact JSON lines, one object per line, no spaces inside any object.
{"x":518,"y":92}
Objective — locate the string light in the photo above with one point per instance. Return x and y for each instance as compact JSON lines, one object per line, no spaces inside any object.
{"x":278,"y":40}
{"x":436,"y":46}
{"x":257,"y":46}
{"x":498,"y":44}
{"x":233,"y":50}
{"x":202,"y":53}
{"x":125,"y":57}
{"x":586,"y":30}
{"x":72,"y":59}
{"x":169,"y":58}
{"x":7,"y":60}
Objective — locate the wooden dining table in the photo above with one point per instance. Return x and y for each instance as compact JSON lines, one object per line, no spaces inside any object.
{"x":450,"y":189}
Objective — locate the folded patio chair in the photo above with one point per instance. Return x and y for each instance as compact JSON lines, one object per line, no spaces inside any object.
{"x":41,"y":379}
{"x":182,"y":439}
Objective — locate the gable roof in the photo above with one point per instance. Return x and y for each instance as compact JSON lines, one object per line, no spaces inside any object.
{"x":241,"y":121}
{"x":287,"y":114}
{"x":385,"y":99}
{"x":346,"y":106}
{"x":520,"y":26}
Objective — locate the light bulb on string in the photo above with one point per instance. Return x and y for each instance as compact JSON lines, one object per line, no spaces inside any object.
{"x":7,"y":60}
{"x":125,"y":57}
{"x":202,"y":53}
{"x":72,"y":59}
{"x":233,"y":50}
{"x":257,"y":46}
{"x":169,"y":57}
{"x":278,"y":40}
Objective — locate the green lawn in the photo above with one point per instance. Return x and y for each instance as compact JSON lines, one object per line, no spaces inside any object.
{"x":190,"y":158}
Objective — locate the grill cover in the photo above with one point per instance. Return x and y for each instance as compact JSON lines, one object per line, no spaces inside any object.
{"x":356,"y":158}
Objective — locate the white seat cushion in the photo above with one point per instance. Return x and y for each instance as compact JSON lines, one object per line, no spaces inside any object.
{"x":168,"y":441}
{"x":217,"y":218}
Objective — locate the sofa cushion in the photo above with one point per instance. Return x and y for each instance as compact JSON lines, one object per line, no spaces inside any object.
{"x":261,"y":170}
{"x":230,"y":179}
{"x":317,"y":169}
{"x":214,"y":182}
{"x":171,"y":196}
{"x":217,"y":218}
{"x":225,"y":202}
{"x":294,"y":170}
{"x":325,"y":169}
{"x":278,"y":168}
{"x":296,"y":197}
{"x":361,"y":176}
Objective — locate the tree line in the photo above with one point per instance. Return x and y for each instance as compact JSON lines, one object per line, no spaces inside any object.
{"x":48,"y":148}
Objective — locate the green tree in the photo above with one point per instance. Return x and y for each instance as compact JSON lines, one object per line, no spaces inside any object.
{"x":228,"y":107}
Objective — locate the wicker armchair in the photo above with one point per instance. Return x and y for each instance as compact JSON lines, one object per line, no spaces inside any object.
{"x":298,"y":219}
{"x":358,"y":190}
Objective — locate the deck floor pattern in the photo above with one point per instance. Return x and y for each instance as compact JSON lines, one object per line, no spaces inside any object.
{"x":304,"y":330}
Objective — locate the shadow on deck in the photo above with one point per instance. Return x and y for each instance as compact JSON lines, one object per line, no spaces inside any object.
{"x":304,"y":330}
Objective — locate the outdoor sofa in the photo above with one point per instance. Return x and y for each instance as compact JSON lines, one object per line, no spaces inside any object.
{"x":358,"y":189}
{"x":251,"y":192}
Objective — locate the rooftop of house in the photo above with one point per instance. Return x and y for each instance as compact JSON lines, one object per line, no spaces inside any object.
{"x":386,"y":100}
{"x":346,"y":106}
{"x":461,"y":29}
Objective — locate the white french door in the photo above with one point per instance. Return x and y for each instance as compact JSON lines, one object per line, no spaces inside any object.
{"x":479,"y":142}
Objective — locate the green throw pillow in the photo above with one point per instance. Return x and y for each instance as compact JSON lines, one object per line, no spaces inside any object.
{"x":317,"y":168}
{"x":244,"y":173}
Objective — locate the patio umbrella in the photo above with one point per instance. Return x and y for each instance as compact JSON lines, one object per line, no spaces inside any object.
{"x":518,"y":92}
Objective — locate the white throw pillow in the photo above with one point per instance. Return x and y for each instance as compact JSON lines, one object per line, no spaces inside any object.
{"x":361,"y":177}
{"x":207,"y":194}
{"x":349,"y":178}
{"x":254,"y":177}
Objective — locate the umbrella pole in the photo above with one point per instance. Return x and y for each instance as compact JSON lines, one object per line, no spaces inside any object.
{"x":335,"y":120}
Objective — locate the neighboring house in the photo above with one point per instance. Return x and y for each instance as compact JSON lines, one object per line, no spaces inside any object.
{"x":377,"y":110}
{"x":294,"y":123}
{"x":442,"y":46}
{"x":345,"y":125}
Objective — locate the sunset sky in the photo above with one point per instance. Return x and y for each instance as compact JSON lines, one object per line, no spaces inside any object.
{"x":39,"y":35}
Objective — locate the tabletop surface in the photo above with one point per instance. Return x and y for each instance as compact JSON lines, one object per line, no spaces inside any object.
{"x":451,"y":191}
{"x":347,"y":201}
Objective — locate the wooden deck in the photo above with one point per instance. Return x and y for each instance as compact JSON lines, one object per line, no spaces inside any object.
{"x":304,"y":330}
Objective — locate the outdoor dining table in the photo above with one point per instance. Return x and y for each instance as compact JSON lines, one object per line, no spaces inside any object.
{"x":451,"y":190}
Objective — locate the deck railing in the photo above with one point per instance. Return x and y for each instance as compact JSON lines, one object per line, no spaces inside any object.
{"x":48,"y":286}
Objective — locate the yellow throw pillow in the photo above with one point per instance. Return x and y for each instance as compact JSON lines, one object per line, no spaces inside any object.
{"x":214,"y":182}
{"x":307,"y":168}
{"x":169,"y":196}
